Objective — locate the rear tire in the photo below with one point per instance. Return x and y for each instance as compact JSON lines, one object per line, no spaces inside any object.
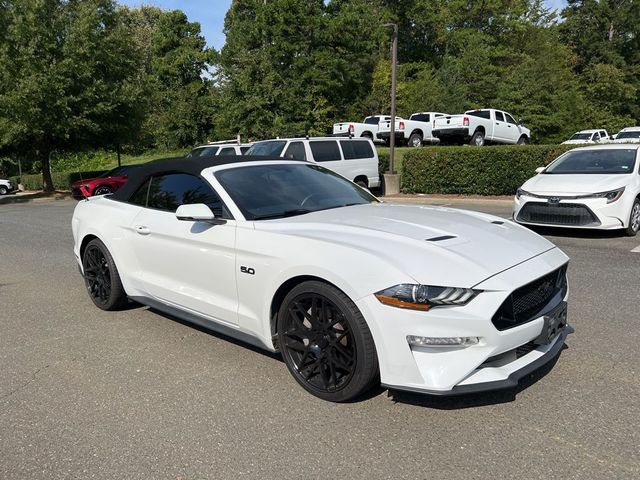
{"x":415,"y":140}
{"x":634,"y":220}
{"x":3,"y":190}
{"x":101,"y":277}
{"x":477,"y":140}
{"x":368,"y":135}
{"x":326,"y":343}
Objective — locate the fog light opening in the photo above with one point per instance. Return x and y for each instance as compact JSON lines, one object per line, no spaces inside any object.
{"x":416,"y":341}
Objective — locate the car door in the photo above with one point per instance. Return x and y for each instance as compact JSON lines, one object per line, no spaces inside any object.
{"x":359,"y":161}
{"x":295,"y":151}
{"x":500,"y":128}
{"x":327,"y":153}
{"x":513,"y":129}
{"x":187,"y":264}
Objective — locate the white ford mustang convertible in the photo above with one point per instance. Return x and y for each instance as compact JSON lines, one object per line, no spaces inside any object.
{"x":353,"y":292}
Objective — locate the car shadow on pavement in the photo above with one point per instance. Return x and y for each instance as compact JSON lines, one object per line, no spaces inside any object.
{"x":474,"y":399}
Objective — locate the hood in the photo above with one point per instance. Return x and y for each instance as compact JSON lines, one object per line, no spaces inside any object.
{"x":558,"y":184}
{"x":577,"y":142}
{"x":433,"y":245}
{"x":627,"y":140}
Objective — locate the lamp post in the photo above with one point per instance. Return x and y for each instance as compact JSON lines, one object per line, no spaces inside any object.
{"x":391,"y":179}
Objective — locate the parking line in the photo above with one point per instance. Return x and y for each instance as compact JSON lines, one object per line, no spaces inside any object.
{"x":636,"y":250}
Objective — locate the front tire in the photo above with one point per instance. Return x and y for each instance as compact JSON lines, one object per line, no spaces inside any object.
{"x":634,"y":219}
{"x":523,"y":140}
{"x":326,"y":343}
{"x":103,"y":190}
{"x":101,"y":277}
{"x":3,"y":190}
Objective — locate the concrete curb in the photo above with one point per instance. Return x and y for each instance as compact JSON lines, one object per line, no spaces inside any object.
{"x":36,"y":197}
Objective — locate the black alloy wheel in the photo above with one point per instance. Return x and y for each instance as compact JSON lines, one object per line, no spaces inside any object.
{"x":103,"y":190}
{"x":101,"y":277}
{"x":326,"y":343}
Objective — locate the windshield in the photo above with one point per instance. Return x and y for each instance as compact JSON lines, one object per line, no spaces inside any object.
{"x":623,"y":135}
{"x":605,"y":161}
{"x":581,"y":136}
{"x":267,"y":149}
{"x":264,"y":192}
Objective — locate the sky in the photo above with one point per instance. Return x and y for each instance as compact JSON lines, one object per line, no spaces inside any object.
{"x":210,"y":14}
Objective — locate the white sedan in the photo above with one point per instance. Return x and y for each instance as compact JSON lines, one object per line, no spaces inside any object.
{"x":291,"y":257}
{"x":591,"y":187}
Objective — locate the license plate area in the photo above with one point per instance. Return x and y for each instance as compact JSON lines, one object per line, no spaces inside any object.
{"x":554,"y":322}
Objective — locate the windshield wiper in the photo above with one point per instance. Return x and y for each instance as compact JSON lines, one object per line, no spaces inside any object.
{"x":286,"y":213}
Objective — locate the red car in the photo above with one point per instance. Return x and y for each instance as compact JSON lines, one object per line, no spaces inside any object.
{"x":106,"y":183}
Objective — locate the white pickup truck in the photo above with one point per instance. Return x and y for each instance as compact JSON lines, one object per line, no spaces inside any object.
{"x":414,"y":132}
{"x":368,"y":128}
{"x":478,"y":127}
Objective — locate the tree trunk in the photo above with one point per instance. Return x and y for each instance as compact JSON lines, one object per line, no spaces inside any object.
{"x":47,"y":181}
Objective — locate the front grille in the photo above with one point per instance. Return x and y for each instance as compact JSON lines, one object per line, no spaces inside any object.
{"x":571,"y":214}
{"x":532,"y":300}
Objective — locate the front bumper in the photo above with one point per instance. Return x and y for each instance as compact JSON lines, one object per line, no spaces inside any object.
{"x":79,"y":192}
{"x":456,"y":370}
{"x":606,"y":216}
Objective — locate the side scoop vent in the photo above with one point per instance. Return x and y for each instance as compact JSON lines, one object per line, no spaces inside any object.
{"x":439,"y":239}
{"x":497,"y":222}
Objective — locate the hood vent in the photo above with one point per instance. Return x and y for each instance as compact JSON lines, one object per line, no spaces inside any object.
{"x":497,"y":222}
{"x":438,"y":239}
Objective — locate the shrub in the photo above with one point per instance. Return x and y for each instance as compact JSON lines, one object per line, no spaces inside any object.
{"x":61,"y":180}
{"x":494,"y":170}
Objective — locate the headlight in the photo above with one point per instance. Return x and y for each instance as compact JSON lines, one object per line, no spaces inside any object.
{"x":423,"y":297}
{"x":611,"y":196}
{"x":520,"y":192}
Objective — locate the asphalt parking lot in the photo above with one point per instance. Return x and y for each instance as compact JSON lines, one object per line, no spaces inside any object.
{"x":137,"y":394}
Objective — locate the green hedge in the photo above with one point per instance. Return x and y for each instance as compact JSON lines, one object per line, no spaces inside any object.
{"x":494,"y":170}
{"x":61,"y":180}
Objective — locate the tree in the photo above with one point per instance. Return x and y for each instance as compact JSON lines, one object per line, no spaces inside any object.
{"x":175,"y":66}
{"x":67,"y":80}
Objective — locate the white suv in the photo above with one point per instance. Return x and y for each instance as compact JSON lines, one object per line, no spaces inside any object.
{"x":355,"y":159}
{"x":219,"y":149}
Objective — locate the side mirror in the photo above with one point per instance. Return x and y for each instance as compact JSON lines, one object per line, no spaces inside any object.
{"x":197,"y":212}
{"x":521,"y":122}
{"x":540,"y":169}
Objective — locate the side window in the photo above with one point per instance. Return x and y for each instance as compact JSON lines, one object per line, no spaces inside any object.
{"x":325,"y":150}
{"x":603,"y":134}
{"x":295,"y":151}
{"x":140,"y":197}
{"x":510,"y":119}
{"x":243,"y":150}
{"x":372,"y":120}
{"x":596,"y":137}
{"x":420,"y":117}
{"x":499,"y":117}
{"x":227,"y":151}
{"x":353,"y":149}
{"x":168,"y":192}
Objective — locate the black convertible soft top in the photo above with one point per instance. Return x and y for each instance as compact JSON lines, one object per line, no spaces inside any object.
{"x":192,"y":166}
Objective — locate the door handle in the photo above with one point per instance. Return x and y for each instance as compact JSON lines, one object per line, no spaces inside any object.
{"x":142,"y":230}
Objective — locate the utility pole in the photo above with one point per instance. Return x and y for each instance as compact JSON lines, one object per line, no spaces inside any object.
{"x":391,"y":178}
